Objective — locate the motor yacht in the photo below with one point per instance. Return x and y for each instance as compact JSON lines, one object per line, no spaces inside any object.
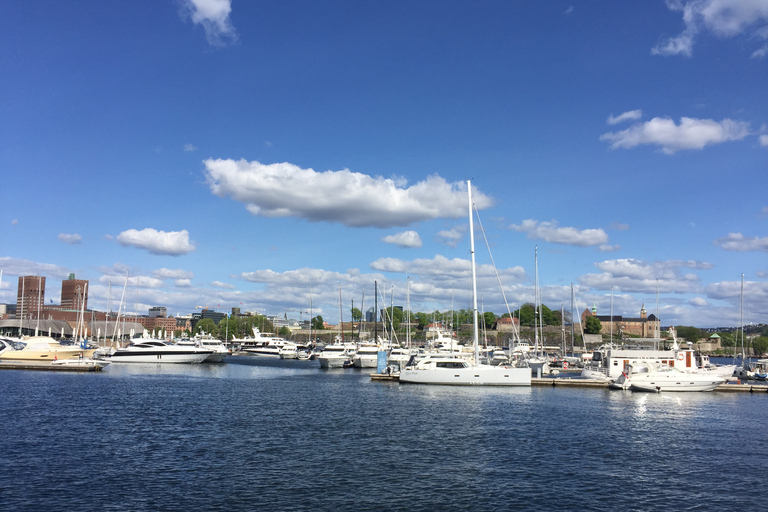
{"x":335,"y":355}
{"x":42,"y":348}
{"x":651,"y":376}
{"x":158,"y":351}
{"x":366,"y":356}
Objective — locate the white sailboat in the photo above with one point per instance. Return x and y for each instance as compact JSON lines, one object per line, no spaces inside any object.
{"x":446,"y":370}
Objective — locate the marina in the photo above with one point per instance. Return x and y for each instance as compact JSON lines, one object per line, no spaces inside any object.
{"x":265,"y":433}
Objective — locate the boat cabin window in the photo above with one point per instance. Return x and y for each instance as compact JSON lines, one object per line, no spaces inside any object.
{"x":449,"y":364}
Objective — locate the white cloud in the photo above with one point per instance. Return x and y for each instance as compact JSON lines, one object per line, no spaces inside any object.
{"x":764,"y":140}
{"x":189,"y":148}
{"x":133,"y":282}
{"x":346,"y":197}
{"x":14,"y":222}
{"x":406,"y":239}
{"x":451,"y":237}
{"x":165,"y":273}
{"x":631,"y":275}
{"x":71,"y":239}
{"x":698,"y":302}
{"x":723,"y":18}
{"x":551,"y":232}
{"x":213,"y":15}
{"x":609,"y":248}
{"x":689,"y":134}
{"x":18,"y":267}
{"x":182,"y":283}
{"x":739,"y":242}
{"x":173,"y":243}
{"x":632,"y":115}
{"x":225,"y":286}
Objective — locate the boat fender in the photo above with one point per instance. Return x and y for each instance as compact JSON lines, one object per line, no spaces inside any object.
{"x":565,"y":365}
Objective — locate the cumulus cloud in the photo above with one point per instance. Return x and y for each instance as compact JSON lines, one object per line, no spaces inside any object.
{"x":632,"y":115}
{"x":552,"y":232}
{"x":741,"y":243}
{"x":723,"y":18}
{"x":450,"y":237}
{"x":182,"y":283}
{"x":349,"y":198}
{"x":136,"y":282}
{"x":19,"y":267}
{"x":172,"y":243}
{"x":165,"y":273}
{"x":689,"y":134}
{"x":213,"y":15}
{"x":631,"y":275}
{"x":699,"y":302}
{"x":189,"y":148}
{"x":406,"y":239}
{"x":224,"y":286}
{"x":71,"y":239}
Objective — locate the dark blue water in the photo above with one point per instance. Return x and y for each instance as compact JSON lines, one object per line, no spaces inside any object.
{"x":283,"y":435}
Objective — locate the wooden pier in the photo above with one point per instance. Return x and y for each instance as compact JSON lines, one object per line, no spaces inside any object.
{"x":48,"y":367}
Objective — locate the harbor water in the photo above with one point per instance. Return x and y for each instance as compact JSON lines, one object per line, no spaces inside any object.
{"x":266,"y":434}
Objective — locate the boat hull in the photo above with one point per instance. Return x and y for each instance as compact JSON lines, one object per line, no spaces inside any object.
{"x":472,"y":376}
{"x":158,"y":357}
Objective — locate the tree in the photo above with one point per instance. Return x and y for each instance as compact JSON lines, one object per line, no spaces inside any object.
{"x":691,"y":334}
{"x":357,"y":315}
{"x":592,"y":325}
{"x":206,"y":325}
{"x":760,"y":345}
{"x":317,"y":323}
{"x":394,"y":316}
{"x":228,"y":328}
{"x":284,"y":332}
{"x":489,"y":319}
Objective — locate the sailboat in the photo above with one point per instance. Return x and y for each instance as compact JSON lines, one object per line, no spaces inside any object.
{"x":447,"y":370}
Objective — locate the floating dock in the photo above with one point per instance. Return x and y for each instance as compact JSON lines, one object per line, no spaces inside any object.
{"x":48,"y":367}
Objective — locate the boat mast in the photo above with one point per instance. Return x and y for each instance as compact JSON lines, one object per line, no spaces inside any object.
{"x":474,"y":275}
{"x":376,"y":311}
{"x":572,"y":321}
{"x":741,"y":319}
{"x":408,"y":309}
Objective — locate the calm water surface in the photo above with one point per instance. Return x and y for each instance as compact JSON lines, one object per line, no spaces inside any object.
{"x":258,"y":434}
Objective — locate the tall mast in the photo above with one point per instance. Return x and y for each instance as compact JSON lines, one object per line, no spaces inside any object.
{"x":475,"y":333}
{"x":376,"y":311}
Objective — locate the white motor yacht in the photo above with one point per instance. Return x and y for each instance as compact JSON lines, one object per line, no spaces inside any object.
{"x":158,"y":351}
{"x":366,"y":356}
{"x":42,"y":348}
{"x":650,"y":376}
{"x":335,"y":355}
{"x":220,"y":350}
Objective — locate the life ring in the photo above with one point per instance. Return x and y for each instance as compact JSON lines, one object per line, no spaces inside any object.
{"x":565,"y":365}
{"x":680,"y":356}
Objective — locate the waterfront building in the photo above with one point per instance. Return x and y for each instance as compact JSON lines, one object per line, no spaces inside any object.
{"x":30,"y":296}
{"x":646,"y":326}
{"x":74,"y":293}
{"x":158,"y":312}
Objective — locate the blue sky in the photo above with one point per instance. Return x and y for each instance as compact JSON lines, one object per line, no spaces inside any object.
{"x":257,"y":154}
